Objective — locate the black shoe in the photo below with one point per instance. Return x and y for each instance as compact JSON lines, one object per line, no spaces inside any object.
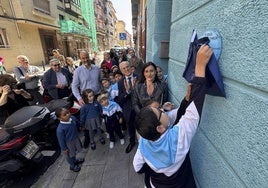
{"x":130,"y":147}
{"x":79,"y":161}
{"x":93,"y":146}
{"x":75,"y":168}
{"x":102,"y":141}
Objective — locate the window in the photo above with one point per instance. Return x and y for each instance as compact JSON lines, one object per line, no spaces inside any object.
{"x":61,"y":17}
{"x":42,"y":6}
{"x":3,"y":39}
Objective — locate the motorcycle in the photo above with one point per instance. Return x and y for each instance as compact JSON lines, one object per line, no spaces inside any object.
{"x":27,"y":135}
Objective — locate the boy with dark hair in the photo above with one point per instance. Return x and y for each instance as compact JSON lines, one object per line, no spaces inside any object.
{"x":163,"y":150}
{"x":68,"y":138}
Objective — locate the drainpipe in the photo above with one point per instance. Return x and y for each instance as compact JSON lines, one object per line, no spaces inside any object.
{"x":13,"y":14}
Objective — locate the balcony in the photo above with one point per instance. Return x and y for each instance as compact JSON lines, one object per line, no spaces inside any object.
{"x":69,"y":26}
{"x":72,"y":7}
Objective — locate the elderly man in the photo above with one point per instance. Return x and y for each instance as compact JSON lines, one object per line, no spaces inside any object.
{"x":30,"y":76}
{"x":125,"y":89}
{"x":57,"y":80}
{"x":86,"y":76}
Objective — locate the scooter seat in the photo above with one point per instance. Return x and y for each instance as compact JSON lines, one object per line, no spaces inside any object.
{"x":27,"y":120}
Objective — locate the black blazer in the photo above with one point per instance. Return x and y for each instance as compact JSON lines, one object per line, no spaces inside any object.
{"x":50,"y":81}
{"x":125,"y":100}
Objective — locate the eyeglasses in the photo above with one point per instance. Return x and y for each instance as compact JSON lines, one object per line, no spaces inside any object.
{"x":55,"y":65}
{"x":161,"y":111}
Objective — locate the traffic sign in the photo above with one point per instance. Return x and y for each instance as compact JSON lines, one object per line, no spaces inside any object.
{"x":122,"y":36}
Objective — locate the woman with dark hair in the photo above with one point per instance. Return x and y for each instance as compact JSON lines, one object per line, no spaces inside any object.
{"x":149,"y":88}
{"x":11,"y":97}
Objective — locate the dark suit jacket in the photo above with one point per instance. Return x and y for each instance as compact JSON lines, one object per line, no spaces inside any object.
{"x":125,"y":100}
{"x":50,"y":81}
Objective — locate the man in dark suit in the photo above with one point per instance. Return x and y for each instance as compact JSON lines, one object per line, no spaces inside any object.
{"x":57,"y":80}
{"x":125,"y":88}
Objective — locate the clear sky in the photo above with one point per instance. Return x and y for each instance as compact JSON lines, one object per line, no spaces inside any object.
{"x":123,"y":12}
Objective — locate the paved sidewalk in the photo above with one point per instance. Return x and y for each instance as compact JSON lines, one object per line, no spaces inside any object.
{"x":103,"y":168}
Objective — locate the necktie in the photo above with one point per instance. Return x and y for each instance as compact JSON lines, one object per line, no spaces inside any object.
{"x":130,"y":83}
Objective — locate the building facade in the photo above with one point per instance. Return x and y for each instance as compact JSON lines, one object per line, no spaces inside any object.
{"x":36,"y":27}
{"x":99,"y":7}
{"x":75,"y":29}
{"x":106,"y":19}
{"x":110,"y":22}
{"x":230,"y":147}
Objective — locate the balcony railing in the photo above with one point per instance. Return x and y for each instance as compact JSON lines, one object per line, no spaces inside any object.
{"x":69,"y":26}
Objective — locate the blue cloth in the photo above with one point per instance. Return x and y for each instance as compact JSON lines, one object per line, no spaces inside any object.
{"x":161,"y":153}
{"x":213,"y":74}
{"x":111,"y":109}
{"x":66,"y":132}
{"x":90,"y":111}
{"x":114,"y":91}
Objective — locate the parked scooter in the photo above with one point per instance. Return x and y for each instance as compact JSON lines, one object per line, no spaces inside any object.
{"x":26,"y":134}
{"x":18,"y":152}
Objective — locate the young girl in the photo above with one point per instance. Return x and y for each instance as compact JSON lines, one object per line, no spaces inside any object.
{"x":90,"y":116}
{"x":113,"y":117}
{"x":67,"y":135}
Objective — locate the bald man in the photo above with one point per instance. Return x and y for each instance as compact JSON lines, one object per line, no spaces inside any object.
{"x":86,"y":76}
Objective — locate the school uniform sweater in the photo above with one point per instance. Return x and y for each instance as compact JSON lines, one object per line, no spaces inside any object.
{"x":90,"y":111}
{"x":66,"y":132}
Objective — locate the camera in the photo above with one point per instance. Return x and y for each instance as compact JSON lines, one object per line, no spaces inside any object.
{"x":17,"y":86}
{"x":13,"y":86}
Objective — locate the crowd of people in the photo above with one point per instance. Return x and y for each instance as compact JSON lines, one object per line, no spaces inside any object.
{"x":122,"y":92}
{"x":116,"y":76}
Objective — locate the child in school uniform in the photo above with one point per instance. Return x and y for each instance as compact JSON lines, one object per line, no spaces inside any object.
{"x":67,"y":134}
{"x":90,"y":117}
{"x":163,"y":151}
{"x":113,"y":117}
